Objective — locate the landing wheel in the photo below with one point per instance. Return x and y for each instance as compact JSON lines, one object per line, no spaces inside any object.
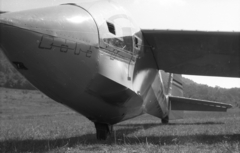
{"x":103,"y":130}
{"x":165,"y":120}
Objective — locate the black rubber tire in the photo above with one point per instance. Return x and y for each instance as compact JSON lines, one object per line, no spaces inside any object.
{"x":103,"y":131}
{"x":165,"y":120}
{"x":102,"y":134}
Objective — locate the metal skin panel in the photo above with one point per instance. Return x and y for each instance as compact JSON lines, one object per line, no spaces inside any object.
{"x":115,"y":63}
{"x":58,"y":49}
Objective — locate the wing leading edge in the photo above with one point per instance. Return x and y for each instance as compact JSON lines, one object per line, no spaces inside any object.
{"x":195,"y":52}
{"x":187,"y":104}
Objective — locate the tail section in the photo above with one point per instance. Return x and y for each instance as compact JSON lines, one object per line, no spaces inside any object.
{"x":175,"y":88}
{"x":176,"y":85}
{"x":165,"y":99}
{"x":179,"y":104}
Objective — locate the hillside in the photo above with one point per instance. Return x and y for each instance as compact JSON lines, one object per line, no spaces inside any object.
{"x":200,"y":91}
{"x":9,"y":77}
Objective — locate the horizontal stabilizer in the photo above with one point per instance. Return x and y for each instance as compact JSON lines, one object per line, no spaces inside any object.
{"x":187,"y":104}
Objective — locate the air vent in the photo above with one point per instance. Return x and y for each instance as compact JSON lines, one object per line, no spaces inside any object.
{"x":20,"y":65}
{"x":111,"y":28}
{"x":137,"y":42}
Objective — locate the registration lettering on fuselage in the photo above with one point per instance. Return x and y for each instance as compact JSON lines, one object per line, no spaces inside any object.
{"x":65,"y":45}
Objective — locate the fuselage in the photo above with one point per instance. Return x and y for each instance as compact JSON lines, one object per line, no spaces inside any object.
{"x":89,"y":57}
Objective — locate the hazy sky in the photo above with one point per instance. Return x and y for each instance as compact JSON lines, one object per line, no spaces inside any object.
{"x":222,"y":15}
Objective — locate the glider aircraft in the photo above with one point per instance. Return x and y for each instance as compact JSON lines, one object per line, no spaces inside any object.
{"x":93,"y":58}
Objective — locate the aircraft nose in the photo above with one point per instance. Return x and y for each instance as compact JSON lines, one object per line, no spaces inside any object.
{"x":52,"y":47}
{"x":50,"y":20}
{"x":25,"y":20}
{"x":10,"y":19}
{"x":5,"y":20}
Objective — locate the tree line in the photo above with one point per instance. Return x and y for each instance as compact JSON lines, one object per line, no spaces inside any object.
{"x":218,"y":94}
{"x":9,"y":77}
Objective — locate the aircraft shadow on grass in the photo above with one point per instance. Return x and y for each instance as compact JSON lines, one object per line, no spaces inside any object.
{"x":35,"y":145}
{"x":149,"y":125}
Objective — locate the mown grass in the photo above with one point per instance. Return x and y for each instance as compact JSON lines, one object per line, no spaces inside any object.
{"x":31,"y":122}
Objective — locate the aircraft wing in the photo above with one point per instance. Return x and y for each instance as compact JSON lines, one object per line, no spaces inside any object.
{"x":195,"y":52}
{"x":187,"y":104}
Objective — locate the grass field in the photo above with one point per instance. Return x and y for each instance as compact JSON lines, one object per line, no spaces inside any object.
{"x":31,"y":122}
